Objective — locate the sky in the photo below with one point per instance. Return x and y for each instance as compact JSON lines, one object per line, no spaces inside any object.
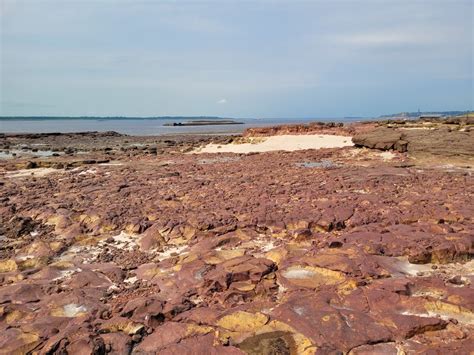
{"x":321,"y":58}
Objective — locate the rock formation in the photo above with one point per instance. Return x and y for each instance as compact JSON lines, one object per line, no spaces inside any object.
{"x":271,"y":253}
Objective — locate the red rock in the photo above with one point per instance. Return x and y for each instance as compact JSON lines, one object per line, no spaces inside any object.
{"x":118,"y":343}
{"x":21,"y":293}
{"x":213,"y":235}
{"x":167,"y":334}
{"x":237,"y":269}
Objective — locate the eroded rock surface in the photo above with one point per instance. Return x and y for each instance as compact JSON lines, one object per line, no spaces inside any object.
{"x":310,"y":128}
{"x":444,"y":138}
{"x":238,"y":254}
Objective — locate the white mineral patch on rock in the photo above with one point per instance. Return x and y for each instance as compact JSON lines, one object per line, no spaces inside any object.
{"x":387,"y":156}
{"x":112,"y":163}
{"x":72,"y":310}
{"x":298,"y":273}
{"x":87,"y":172}
{"x":66,"y":274}
{"x":85,"y":253}
{"x":172,"y":250}
{"x":123,"y":241}
{"x":24,"y":257}
{"x":131,"y":280}
{"x":299,"y":310}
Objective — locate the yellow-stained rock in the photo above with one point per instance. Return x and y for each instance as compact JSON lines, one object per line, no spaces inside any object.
{"x":297,"y":225}
{"x":177,"y":268}
{"x":456,"y":299}
{"x":32,"y":263}
{"x":20,"y":342}
{"x":85,"y":240}
{"x":120,"y":324}
{"x":60,"y":223}
{"x":56,"y":246}
{"x":189,"y":232}
{"x":193,"y":329}
{"x":183,"y":259}
{"x":297,"y":343}
{"x":107,"y":228}
{"x":241,"y":321}
{"x":347,"y":287}
{"x":15,"y":277}
{"x":148,"y":272}
{"x":312,"y":276}
{"x":448,"y":310}
{"x":220,"y":256}
{"x":13,"y":316}
{"x":88,"y":219}
{"x":8,"y":265}
{"x":276,"y":255}
{"x":63,"y":265}
{"x":38,"y":249}
{"x":244,"y":286}
{"x":227,"y":254}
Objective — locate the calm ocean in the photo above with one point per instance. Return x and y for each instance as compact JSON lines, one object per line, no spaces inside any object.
{"x":138,"y":126}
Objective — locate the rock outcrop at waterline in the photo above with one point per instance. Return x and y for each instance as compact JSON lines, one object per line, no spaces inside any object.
{"x":447,"y":138}
{"x":309,"y":128}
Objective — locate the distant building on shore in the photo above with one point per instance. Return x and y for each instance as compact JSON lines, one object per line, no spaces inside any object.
{"x":430,"y":116}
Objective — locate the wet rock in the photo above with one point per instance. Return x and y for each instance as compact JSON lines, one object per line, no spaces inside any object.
{"x":31,"y":165}
{"x":18,"y":226}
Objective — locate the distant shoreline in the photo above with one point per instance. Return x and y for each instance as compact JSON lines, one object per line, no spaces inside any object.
{"x":106,"y":118}
{"x":160,"y":125}
{"x":203,"y":123}
{"x":400,"y":115}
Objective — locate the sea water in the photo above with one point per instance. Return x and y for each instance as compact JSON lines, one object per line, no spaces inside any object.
{"x":140,"y":126}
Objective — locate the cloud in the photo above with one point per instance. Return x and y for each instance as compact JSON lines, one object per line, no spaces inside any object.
{"x":384,"y":38}
{"x":19,"y":104}
{"x":423,"y":35}
{"x":148,"y":57}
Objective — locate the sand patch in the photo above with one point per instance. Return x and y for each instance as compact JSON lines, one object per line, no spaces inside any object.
{"x":30,"y":172}
{"x":283,"y":142}
{"x":387,"y":156}
{"x":417,"y":128}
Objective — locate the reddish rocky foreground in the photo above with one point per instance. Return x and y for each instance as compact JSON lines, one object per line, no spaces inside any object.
{"x":308,"y":252}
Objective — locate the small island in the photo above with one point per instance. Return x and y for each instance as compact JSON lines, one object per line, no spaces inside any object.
{"x":203,"y":123}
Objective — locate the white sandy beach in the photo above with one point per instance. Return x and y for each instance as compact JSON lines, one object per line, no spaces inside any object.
{"x":283,"y":142}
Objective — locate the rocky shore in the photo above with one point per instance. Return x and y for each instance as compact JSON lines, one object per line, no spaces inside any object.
{"x":134,"y":245}
{"x":444,"y":138}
